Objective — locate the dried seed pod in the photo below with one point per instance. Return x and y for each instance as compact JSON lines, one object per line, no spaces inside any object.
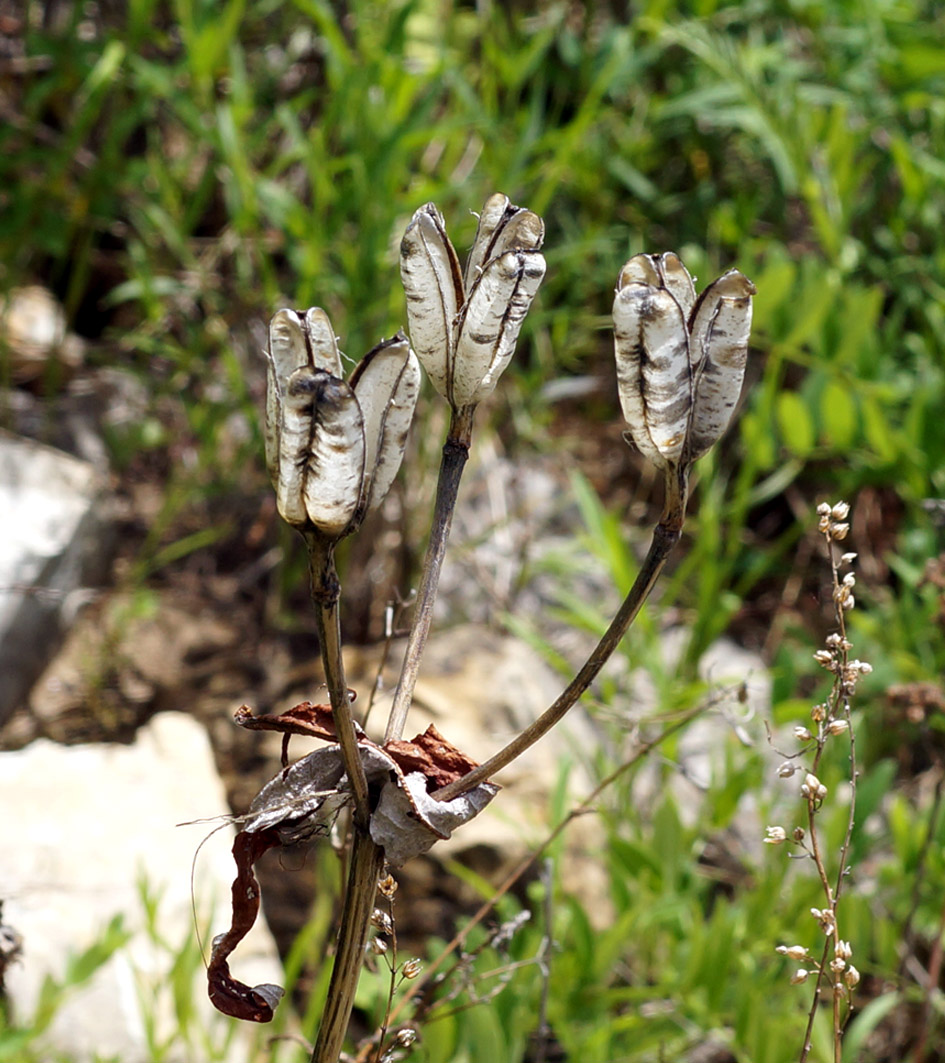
{"x":653,"y":374}
{"x":465,"y":336}
{"x":491,"y":321}
{"x":675,"y":278}
{"x":434,"y":289}
{"x":295,"y":435}
{"x":295,"y":340}
{"x":332,"y":462}
{"x":502,"y":227}
{"x":720,"y":325}
{"x":386,"y":383}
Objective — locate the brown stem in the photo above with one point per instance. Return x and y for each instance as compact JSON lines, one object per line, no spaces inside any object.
{"x":665,"y":536}
{"x":367,"y":861}
{"x":455,"y":453}
{"x":326,"y":590}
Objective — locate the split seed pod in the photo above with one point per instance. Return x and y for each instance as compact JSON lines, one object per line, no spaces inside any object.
{"x":464,"y":329}
{"x":333,"y":448}
{"x":680,"y":361}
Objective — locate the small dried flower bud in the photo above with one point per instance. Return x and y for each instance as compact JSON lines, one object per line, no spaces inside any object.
{"x":823,"y":510}
{"x":825,"y":659}
{"x":388,"y":886}
{"x":813,"y":788}
{"x":800,"y":975}
{"x":818,"y":713}
{"x":863,"y":667}
{"x":839,"y":531}
{"x":838,"y":727}
{"x":849,"y":580}
{"x":774,"y":835}
{"x":378,"y":946}
{"x":848,"y":559}
{"x":787,"y":769}
{"x":798,"y":835}
{"x":837,"y":965}
{"x":843,"y":950}
{"x":381,"y":921}
{"x":793,"y":952}
{"x":825,"y":917}
{"x":833,"y":640}
{"x":406,"y":1037}
{"x":840,"y":511}
{"x":851,"y":977}
{"x":411,"y":968}
{"x":802,"y":734}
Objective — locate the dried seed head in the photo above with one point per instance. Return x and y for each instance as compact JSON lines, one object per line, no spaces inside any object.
{"x":465,"y":333}
{"x":387,"y":886}
{"x":799,"y":976}
{"x":411,"y":968}
{"x":851,"y":977}
{"x":378,"y":946}
{"x":406,"y":1037}
{"x":775,"y":835}
{"x":680,"y":361}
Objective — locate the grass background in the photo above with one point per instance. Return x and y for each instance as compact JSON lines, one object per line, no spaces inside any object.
{"x":176,"y":171}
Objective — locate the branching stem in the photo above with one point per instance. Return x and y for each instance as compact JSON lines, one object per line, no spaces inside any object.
{"x":455,"y":453}
{"x":665,"y":536}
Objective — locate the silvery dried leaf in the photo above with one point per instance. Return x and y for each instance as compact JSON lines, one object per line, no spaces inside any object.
{"x":491,"y":321}
{"x":653,"y":374}
{"x":720,"y":327}
{"x":302,"y":799}
{"x":386,"y":383}
{"x":434,"y":289}
{"x":408,"y":821}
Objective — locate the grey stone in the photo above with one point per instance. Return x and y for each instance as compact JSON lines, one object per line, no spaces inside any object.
{"x":54,"y":542}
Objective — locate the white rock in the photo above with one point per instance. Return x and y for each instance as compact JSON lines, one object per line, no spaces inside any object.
{"x":53,"y":541}
{"x":90,"y":822}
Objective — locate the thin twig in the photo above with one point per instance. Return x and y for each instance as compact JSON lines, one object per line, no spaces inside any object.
{"x":665,"y":536}
{"x":455,"y":454}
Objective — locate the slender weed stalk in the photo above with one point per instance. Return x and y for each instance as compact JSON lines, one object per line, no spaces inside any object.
{"x":833,"y":973}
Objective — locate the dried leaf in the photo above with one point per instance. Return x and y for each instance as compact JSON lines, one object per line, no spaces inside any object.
{"x":228,"y":995}
{"x":653,"y":374}
{"x":720,"y":326}
{"x":386,"y":383}
{"x":432,"y":755}
{"x":434,"y":289}
{"x":408,"y":821}
{"x":490,"y":324}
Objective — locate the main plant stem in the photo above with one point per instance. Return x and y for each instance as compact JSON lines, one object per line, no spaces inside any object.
{"x":367,"y":862}
{"x":665,"y":536}
{"x":455,"y":453}
{"x":367,"y":859}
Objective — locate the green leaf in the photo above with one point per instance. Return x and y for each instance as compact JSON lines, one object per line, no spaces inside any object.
{"x":838,"y":415}
{"x":795,"y":423}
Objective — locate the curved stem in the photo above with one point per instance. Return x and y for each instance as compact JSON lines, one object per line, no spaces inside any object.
{"x":326,"y":590}
{"x":367,"y":861}
{"x":665,"y":536}
{"x":455,"y":453}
